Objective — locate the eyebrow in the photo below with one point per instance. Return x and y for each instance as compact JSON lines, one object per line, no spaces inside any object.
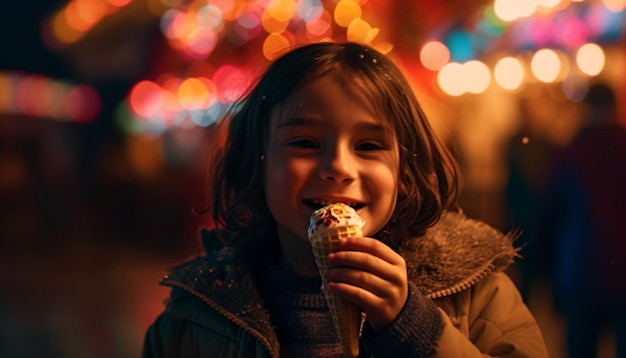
{"x":296,"y":122}
{"x":309,"y":121}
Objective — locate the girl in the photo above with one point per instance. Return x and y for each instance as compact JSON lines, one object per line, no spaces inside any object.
{"x":333,"y":122}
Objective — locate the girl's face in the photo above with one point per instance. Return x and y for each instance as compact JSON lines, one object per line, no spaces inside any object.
{"x":327,"y":144}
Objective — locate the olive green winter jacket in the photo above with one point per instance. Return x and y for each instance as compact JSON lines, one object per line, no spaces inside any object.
{"x":456,"y":274}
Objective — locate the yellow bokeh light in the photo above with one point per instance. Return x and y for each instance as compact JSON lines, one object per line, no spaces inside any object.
{"x":371,"y":35}
{"x":193,"y":94}
{"x":382,"y":46}
{"x":615,"y":5}
{"x":505,"y":10}
{"x":281,"y":10}
{"x":272,"y":24}
{"x":75,"y":19}
{"x":476,"y":76}
{"x":91,"y":11}
{"x":274,"y":45}
{"x":62,"y":32}
{"x":545,"y":65}
{"x":346,"y":11}
{"x":591,"y":59}
{"x":549,"y":4}
{"x":6,"y":92}
{"x":358,"y":30}
{"x":509,"y":73}
{"x":449,"y":77}
{"x":510,"y":10}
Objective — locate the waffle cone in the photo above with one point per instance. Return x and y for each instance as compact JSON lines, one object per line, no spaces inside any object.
{"x":346,"y":315}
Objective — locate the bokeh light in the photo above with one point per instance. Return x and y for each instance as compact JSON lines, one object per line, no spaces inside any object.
{"x":346,"y":11}
{"x":273,"y":24}
{"x":545,"y":65}
{"x":320,"y":27}
{"x":40,"y":96}
{"x":309,"y":10}
{"x":281,"y":10}
{"x":196,"y":28}
{"x":274,"y":45}
{"x":82,"y":104}
{"x":360,"y":30}
{"x":231,"y":82}
{"x":476,"y":76}
{"x":460,"y":44}
{"x":193,"y":94}
{"x":615,"y":5}
{"x":448,"y":79}
{"x":590,"y":59}
{"x":548,"y":4}
{"x":434,"y":55}
{"x":575,"y":88}
{"x":145,"y":99}
{"x":509,"y":73}
{"x":510,"y":10}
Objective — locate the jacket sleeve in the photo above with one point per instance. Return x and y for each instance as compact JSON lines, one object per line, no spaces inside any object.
{"x":413,"y":333}
{"x":153,"y":346}
{"x":489,"y":320}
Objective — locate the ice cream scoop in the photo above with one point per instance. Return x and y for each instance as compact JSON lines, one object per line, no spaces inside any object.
{"x":327,"y":227}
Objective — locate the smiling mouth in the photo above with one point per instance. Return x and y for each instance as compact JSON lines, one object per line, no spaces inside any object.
{"x":317,"y":204}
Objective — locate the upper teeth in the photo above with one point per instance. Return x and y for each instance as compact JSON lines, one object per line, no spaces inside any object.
{"x":326,"y":202}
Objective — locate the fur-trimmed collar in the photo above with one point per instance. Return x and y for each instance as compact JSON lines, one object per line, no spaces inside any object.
{"x":455,"y":254}
{"x":452,"y":256}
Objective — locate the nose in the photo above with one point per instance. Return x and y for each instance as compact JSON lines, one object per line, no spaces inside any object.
{"x":338,"y":166}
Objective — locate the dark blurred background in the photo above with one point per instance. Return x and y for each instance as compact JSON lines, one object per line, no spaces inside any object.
{"x":106,"y":108}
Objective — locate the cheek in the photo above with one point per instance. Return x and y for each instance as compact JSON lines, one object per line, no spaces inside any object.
{"x":283,"y":176}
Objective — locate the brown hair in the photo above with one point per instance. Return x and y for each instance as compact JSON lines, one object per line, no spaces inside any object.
{"x":428,"y":183}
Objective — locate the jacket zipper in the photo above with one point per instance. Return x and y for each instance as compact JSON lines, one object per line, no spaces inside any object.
{"x":234,"y":319}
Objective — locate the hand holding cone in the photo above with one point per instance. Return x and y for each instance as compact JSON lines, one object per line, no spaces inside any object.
{"x":327,"y":227}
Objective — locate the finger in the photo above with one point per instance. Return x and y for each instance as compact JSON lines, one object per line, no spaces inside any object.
{"x":370,"y":263}
{"x":364,"y":262}
{"x":371,"y":246}
{"x":363,"y":298}
{"x":359,"y":278}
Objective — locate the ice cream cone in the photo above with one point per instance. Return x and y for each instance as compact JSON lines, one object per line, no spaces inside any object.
{"x":328,"y":226}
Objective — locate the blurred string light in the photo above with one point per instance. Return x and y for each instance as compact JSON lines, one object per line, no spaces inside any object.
{"x":562,"y":39}
{"x":434,"y":55}
{"x":76,"y":18}
{"x":509,"y":73}
{"x":545,"y":65}
{"x":197,"y":28}
{"x":590,"y":59}
{"x":40,"y":96}
{"x":171,"y":102}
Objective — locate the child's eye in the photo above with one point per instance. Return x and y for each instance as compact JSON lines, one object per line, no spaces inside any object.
{"x":303,"y":143}
{"x":369,"y":146}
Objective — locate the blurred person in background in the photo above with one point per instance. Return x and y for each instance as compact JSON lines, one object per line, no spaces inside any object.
{"x":582,"y":228}
{"x":529,"y":156}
